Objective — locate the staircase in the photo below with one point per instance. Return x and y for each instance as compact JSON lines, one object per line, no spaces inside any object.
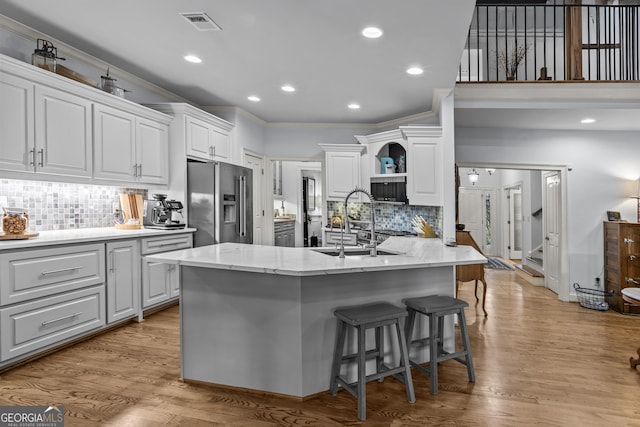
{"x":531,"y":268}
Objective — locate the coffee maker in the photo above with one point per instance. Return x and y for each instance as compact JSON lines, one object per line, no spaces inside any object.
{"x":159,"y":213}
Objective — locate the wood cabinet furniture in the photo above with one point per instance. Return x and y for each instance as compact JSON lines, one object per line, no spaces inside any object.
{"x":284,"y":233}
{"x":50,"y":122}
{"x":160,"y":281}
{"x":621,"y":263}
{"x":343,"y":170}
{"x":471,"y":272}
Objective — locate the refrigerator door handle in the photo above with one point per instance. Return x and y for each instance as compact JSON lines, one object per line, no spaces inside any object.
{"x":243,"y":213}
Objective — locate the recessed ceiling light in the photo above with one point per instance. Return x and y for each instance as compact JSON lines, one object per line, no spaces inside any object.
{"x":354,"y":106}
{"x":253,"y":98}
{"x":193,"y":58}
{"x":288,"y":88}
{"x":587,"y":120}
{"x":372,"y":32}
{"x":415,"y":71}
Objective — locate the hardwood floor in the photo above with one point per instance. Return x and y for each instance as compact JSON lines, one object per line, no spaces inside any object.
{"x":538,"y":361}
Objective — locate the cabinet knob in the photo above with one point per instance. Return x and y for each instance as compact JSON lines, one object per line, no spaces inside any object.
{"x":628,"y":240}
{"x":631,"y":280}
{"x":632,"y":257}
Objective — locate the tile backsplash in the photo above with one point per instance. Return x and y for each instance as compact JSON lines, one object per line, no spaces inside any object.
{"x":59,"y":206}
{"x":390,"y":216}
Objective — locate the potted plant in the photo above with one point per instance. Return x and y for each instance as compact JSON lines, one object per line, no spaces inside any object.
{"x":510,"y":61}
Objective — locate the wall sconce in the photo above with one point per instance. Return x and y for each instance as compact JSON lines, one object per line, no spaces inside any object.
{"x":490,"y":171}
{"x":473,"y":176}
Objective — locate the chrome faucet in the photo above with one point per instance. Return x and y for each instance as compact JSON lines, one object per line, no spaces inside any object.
{"x":345,"y":224}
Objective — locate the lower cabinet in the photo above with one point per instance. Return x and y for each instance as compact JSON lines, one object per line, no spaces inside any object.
{"x":284,"y":233}
{"x":161,"y":282}
{"x":37,"y":324}
{"x":123,"y":280}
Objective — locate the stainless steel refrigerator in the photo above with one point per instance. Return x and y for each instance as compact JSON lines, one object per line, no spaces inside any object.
{"x":219,"y":203}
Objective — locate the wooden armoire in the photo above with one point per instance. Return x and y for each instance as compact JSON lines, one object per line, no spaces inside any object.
{"x":621,"y":262}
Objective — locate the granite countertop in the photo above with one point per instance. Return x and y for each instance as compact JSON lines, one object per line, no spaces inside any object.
{"x":85,"y":235}
{"x":416,"y":253}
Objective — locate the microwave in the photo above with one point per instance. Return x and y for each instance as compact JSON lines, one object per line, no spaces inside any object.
{"x":391,"y":189}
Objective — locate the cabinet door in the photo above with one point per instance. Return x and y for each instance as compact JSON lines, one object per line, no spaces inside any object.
{"x":156,"y":283}
{"x":123,"y":280}
{"x":174,"y":278}
{"x":220,"y":143}
{"x":114,"y":141}
{"x":424,"y":180}
{"x":16,"y":124}
{"x":152,"y":150}
{"x":63,"y":133}
{"x":198,"y":143}
{"x":343,"y":174}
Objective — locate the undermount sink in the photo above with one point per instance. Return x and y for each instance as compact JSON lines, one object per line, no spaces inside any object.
{"x":352,"y":251}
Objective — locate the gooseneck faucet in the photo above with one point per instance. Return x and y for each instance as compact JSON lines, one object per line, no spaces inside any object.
{"x":345,"y":224}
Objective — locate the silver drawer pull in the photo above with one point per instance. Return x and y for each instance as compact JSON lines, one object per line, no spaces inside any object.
{"x":64,"y":270}
{"x":169,"y":244}
{"x":632,"y":257}
{"x":630,"y":280}
{"x":46,"y":322}
{"x":628,"y":240}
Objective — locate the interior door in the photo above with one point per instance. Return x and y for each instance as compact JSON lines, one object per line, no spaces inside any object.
{"x":514,"y":197}
{"x":551,"y":228}
{"x":477,"y":212}
{"x":256,"y":164}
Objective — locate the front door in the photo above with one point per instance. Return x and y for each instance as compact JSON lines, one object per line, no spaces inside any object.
{"x":551,"y":228}
{"x":477,"y":213}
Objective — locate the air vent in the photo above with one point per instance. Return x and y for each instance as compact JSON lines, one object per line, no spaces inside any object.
{"x":201,"y":21}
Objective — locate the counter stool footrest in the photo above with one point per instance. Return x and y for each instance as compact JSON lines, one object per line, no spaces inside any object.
{"x":369,"y":354}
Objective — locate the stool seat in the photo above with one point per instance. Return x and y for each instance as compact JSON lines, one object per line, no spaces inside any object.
{"x":436,"y":307}
{"x":362,"y":317}
{"x":368,"y":313}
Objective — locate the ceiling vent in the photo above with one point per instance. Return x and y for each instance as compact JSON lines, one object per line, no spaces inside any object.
{"x":201,"y":21}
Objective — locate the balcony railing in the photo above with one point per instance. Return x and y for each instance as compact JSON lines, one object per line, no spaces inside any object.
{"x":552,"y":42}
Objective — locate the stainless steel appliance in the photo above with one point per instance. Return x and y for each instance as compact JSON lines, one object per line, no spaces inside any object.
{"x":389,"y":189}
{"x":219,"y":202}
{"x":162,"y":213}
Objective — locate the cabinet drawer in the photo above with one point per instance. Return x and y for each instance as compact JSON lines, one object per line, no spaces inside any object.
{"x":36,"y":324}
{"x":27,"y":275}
{"x":152,"y":245}
{"x":283,"y":226}
{"x":349,"y":239}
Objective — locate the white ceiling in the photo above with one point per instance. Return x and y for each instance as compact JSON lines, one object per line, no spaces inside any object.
{"x":314,"y":45}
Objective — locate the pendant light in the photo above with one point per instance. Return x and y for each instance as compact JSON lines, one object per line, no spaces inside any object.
{"x":473,"y":176}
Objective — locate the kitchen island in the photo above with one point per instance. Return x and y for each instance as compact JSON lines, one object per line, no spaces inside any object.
{"x":261,"y":317}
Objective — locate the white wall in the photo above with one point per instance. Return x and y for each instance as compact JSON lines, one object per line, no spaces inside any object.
{"x":604,"y":166}
{"x":301,"y":141}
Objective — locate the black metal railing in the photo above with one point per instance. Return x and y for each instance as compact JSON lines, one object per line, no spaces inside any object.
{"x":552,"y":42}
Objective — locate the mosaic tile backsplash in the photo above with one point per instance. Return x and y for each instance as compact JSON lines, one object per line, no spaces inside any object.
{"x":59,"y":206}
{"x":390,"y":216}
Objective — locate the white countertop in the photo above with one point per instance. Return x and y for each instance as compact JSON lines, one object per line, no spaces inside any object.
{"x":417,"y":253}
{"x":83,"y":235}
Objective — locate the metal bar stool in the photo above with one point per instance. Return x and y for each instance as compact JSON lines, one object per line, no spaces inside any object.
{"x":436,"y":307}
{"x":363,"y":317}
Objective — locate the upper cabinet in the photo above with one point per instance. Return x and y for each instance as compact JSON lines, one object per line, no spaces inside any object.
{"x":129,"y":147}
{"x":342,"y":170}
{"x":54,"y":126}
{"x":203,"y":135}
{"x":411,"y":151}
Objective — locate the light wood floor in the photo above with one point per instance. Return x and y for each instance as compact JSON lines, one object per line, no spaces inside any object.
{"x":538,"y":362}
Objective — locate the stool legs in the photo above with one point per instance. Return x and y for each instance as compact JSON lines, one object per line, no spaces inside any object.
{"x":434,"y":350}
{"x":341,"y":331}
{"x":362,"y":374}
{"x":465,"y":341}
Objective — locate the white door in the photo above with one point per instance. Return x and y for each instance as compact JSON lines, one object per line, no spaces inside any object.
{"x":256,"y":164}
{"x":477,"y":211}
{"x":514,"y":222}
{"x":123,"y":280}
{"x":16,"y":124}
{"x":114,"y":144}
{"x":152,"y":151}
{"x":551,"y":229}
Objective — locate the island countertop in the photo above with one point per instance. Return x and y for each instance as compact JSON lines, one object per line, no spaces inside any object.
{"x":415,"y":252}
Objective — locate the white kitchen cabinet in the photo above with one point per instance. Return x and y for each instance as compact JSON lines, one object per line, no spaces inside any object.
{"x":16,"y":123}
{"x":207,"y":138}
{"x":161,"y":281}
{"x":383,"y":144}
{"x":123,"y":280}
{"x":129,"y":147}
{"x":43,"y":129}
{"x":424,"y":165}
{"x":63,"y":132}
{"x":343,"y":170}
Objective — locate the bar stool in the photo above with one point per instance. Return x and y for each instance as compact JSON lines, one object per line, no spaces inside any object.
{"x":363,"y":317}
{"x":436,"y":307}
